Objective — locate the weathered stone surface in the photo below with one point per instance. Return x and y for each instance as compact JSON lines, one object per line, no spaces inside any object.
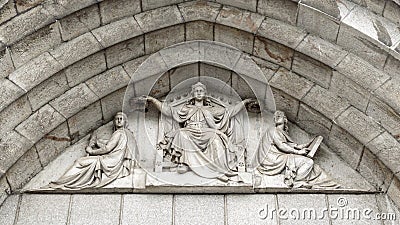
{"x":151,"y":66}
{"x":47,"y":90}
{"x":181,"y":54}
{"x":9,"y":118}
{"x":131,"y":66}
{"x":4,"y":191}
{"x":313,"y":122}
{"x":361,"y":72}
{"x":112,"y":103}
{"x":9,"y":93}
{"x":44,"y":209}
{"x":76,"y":49}
{"x":250,"y":5}
{"x":266,"y":67}
{"x":347,"y":89}
{"x":317,"y":22}
{"x":392,"y":67}
{"x":222,"y":55}
{"x":114,"y":10}
{"x":6,"y":64}
{"x":199,"y":209}
{"x":147,"y":209}
{"x":85,"y":68}
{"x":125,"y":51}
{"x":182,"y":73}
{"x":386,"y":205}
{"x":250,"y":209}
{"x":35,"y":44}
{"x":286,"y":103}
{"x":246,"y":66}
{"x":159,"y":18}
{"x":240,"y":19}
{"x":329,"y":104}
{"x":234,"y":37}
{"x":63,"y":8}
{"x":53,"y":143}
{"x":8,"y":11}
{"x":85,"y":121}
{"x":85,"y":209}
{"x":312,"y":69}
{"x":223,"y":76}
{"x":160,"y":39}
{"x":362,"y":46}
{"x":24,"y":24}
{"x":375,"y":6}
{"x":329,"y":7}
{"x":291,"y":83}
{"x":153,"y":4}
{"x":12,"y":146}
{"x":109,"y":81}
{"x":387,"y":150}
{"x":74,"y":100}
{"x":199,"y":10}
{"x":372,"y":169}
{"x":273,"y":52}
{"x":8,"y":210}
{"x":358,"y":202}
{"x":199,"y":30}
{"x":392,"y":11}
{"x":159,"y":88}
{"x":79,"y":22}
{"x":40,"y":123}
{"x":35,"y":71}
{"x":321,"y":50}
{"x":285,"y":10}
{"x":118,"y":31}
{"x":359,"y":125}
{"x":389,"y":93}
{"x":345,"y":146}
{"x":248,"y":87}
{"x":24,"y":169}
{"x":394,"y":191}
{"x":384,"y":115}
{"x":281,"y":32}
{"x":24,"y":5}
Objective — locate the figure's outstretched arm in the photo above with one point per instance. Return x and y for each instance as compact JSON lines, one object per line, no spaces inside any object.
{"x":238,"y":107}
{"x":159,"y":105}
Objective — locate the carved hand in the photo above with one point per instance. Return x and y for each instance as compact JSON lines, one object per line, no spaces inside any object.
{"x":303,"y":151}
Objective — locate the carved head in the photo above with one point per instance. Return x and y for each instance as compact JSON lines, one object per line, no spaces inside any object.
{"x":199,"y":91}
{"x":280,"y":118}
{"x":120,"y":120}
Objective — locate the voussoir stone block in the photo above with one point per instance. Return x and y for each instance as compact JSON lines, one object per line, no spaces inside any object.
{"x":9,"y":118}
{"x":329,"y":7}
{"x":266,"y":67}
{"x":326,"y":102}
{"x":24,"y":169}
{"x":85,"y":68}
{"x":321,"y":50}
{"x":255,"y":68}
{"x":23,"y":5}
{"x":40,"y":123}
{"x":125,"y":51}
{"x":284,"y":10}
{"x":153,"y":4}
{"x":392,"y":11}
{"x":234,"y":37}
{"x":6,"y":64}
{"x":159,"y":18}
{"x":8,"y":209}
{"x":394,"y":191}
{"x":348,"y":89}
{"x":312,"y":69}
{"x":8,"y":11}
{"x":79,"y":22}
{"x":223,"y":55}
{"x":389,"y":93}
{"x":116,"y":32}
{"x":35,"y":71}
{"x":85,"y":121}
{"x":286,"y":103}
{"x":386,"y":147}
{"x":240,"y":19}
{"x":112,"y":103}
{"x":109,"y":81}
{"x":48,"y":90}
{"x":313,"y":122}
{"x":362,"y":72}
{"x":24,"y":24}
{"x":250,"y":5}
{"x":281,"y":32}
{"x":392,"y":67}
{"x":359,"y":125}
{"x":74,"y":100}
{"x":53,"y":143}
{"x":291,"y":83}
{"x":385,"y":115}
{"x":12,"y":146}
{"x":76,"y":49}
{"x":114,"y":10}
{"x":5,"y":190}
{"x":63,"y":8}
{"x":160,"y":39}
{"x":273,"y":52}
{"x":132,"y":65}
{"x":199,"y":30}
{"x":181,"y":54}
{"x":9,"y":92}
{"x":199,"y":10}
{"x":35,"y":44}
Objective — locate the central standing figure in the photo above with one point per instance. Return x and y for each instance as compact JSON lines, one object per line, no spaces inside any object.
{"x":205,"y":137}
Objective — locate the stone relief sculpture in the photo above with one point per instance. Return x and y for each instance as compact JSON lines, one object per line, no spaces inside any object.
{"x":202,"y":134}
{"x":278,"y":154}
{"x":107,"y":160}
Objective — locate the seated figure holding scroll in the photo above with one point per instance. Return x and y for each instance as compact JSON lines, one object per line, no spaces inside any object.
{"x":277,"y":153}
